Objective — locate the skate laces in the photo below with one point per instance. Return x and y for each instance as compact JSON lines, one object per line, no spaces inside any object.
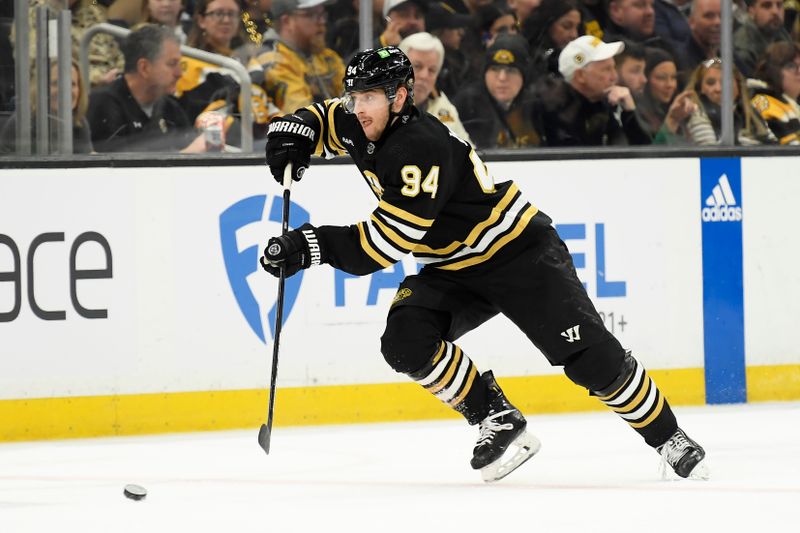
{"x":489,"y":427}
{"x":675,"y":448}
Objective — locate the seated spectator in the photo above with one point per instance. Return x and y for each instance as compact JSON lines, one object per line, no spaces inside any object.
{"x":426,"y":54}
{"x":765,"y":27}
{"x":587,"y":107}
{"x":167,"y":13}
{"x":403,"y":18}
{"x":705,"y":23}
{"x":704,"y":126}
{"x":662,"y":85}
{"x":630,"y":64}
{"x":301,"y":70}
{"x":105,"y":57}
{"x":206,"y":86}
{"x":342,"y":35}
{"x":496,"y":110}
{"x":81,"y":139}
{"x":633,"y":20}
{"x":137,"y":112}
{"x":443,"y":22}
{"x":777,"y":89}
{"x":553,"y":25}
{"x":671,"y":21}
{"x":492,"y":20}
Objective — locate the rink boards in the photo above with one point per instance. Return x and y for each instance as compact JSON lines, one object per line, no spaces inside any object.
{"x":131,"y":302}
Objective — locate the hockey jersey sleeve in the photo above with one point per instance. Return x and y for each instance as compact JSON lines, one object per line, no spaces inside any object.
{"x":417,"y":183}
{"x":323,"y":119}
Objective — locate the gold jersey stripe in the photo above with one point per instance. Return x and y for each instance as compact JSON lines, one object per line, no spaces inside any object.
{"x":473,"y":372}
{"x":439,"y":354}
{"x":378,"y":258}
{"x":624,"y":385}
{"x":634,"y":402}
{"x":524,"y":220}
{"x":313,"y":109}
{"x":333,"y":138}
{"x":494,"y":216}
{"x":657,"y":411}
{"x":405,"y":215}
{"x":451,"y":370}
{"x":391,"y":235}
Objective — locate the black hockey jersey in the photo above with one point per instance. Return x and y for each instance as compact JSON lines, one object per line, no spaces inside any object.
{"x":436,"y":198}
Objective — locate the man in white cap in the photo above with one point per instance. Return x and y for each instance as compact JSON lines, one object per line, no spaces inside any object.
{"x":301,"y":70}
{"x":588,"y":108}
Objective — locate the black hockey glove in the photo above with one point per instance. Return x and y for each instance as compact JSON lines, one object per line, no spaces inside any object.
{"x":297,"y":250}
{"x":289,"y":141}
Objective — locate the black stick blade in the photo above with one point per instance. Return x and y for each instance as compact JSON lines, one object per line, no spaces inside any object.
{"x":263,"y":438}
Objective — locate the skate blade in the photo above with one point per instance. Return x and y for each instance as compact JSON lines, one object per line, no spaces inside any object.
{"x":700,"y":472}
{"x":525,"y":446}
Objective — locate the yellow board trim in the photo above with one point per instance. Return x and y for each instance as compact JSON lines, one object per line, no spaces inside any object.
{"x":141,"y":414}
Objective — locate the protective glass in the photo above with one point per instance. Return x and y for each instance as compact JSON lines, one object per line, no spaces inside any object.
{"x":367,"y":101}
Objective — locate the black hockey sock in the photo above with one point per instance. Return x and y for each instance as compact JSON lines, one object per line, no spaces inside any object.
{"x":452,"y":377}
{"x":639,"y":402}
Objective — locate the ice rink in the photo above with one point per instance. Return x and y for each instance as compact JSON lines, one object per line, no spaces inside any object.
{"x":593,"y":474}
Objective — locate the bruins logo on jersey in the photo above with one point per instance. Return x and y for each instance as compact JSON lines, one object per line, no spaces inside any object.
{"x":402,"y":294}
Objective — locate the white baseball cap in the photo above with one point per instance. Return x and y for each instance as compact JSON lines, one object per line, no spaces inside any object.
{"x":584,"y":50}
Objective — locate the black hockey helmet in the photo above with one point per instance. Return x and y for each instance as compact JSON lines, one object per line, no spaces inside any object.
{"x":387,"y":68}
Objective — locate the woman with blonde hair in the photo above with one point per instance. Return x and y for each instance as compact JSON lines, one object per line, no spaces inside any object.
{"x":81,"y":137}
{"x":704,"y":126}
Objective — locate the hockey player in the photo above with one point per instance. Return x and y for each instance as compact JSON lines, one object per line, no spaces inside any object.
{"x":486,"y":250}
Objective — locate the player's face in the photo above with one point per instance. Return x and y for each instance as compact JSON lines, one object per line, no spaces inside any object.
{"x":426,"y":69}
{"x":371,"y":108}
{"x":663,"y":82}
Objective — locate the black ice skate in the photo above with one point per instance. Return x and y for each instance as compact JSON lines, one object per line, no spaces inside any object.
{"x":501,"y":430}
{"x":684,"y":456}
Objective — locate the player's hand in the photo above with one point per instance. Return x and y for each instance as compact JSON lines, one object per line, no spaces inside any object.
{"x":619,"y":95}
{"x":289,"y":140}
{"x":295,"y":251}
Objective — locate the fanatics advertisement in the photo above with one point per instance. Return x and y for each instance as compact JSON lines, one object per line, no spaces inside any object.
{"x":124,"y":281}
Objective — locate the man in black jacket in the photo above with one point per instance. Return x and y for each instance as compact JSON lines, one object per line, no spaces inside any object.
{"x":137,"y":112}
{"x":587,"y":107}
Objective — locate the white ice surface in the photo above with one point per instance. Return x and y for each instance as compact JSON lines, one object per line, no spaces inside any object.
{"x":594,"y":474}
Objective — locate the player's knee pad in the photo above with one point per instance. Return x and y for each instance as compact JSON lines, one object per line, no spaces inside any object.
{"x":600,"y":367}
{"x":412,"y":337}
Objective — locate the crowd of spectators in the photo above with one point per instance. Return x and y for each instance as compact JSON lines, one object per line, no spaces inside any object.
{"x":499,"y":73}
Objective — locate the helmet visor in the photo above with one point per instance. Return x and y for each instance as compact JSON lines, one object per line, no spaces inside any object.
{"x":366,"y":101}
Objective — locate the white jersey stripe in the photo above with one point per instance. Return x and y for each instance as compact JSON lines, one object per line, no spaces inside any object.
{"x":382,"y":244}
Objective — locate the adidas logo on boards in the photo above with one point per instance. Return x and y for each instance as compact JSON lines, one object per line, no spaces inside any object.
{"x":721,"y":204}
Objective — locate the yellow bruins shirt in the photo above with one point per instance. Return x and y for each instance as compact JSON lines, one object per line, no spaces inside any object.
{"x":436,"y":198}
{"x":782,"y":118}
{"x":199,"y":86}
{"x":294,"y":80}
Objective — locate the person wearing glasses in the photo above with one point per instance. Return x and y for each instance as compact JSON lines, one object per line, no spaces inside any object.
{"x":776,"y":92}
{"x":206,"y":87}
{"x":301,"y":69}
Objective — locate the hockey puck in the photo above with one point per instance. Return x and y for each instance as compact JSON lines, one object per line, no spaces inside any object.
{"x":134,"y":492}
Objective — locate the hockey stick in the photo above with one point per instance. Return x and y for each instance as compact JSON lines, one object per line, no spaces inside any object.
{"x":265,"y":432}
